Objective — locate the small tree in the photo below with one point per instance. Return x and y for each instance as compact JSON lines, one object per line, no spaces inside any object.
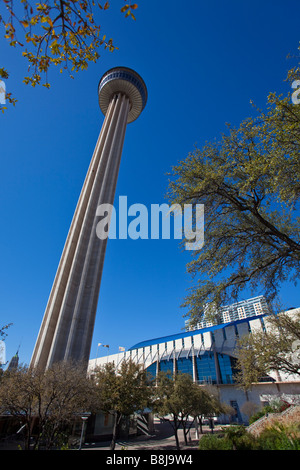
{"x":181,"y":398}
{"x":53,"y":397}
{"x":122,"y":392}
{"x":167,"y":403}
{"x":209,"y":404}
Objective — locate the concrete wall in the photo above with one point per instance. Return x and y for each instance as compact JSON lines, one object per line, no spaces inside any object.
{"x":258,"y":396}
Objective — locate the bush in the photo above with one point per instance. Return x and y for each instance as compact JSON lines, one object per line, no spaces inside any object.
{"x":247,"y":442}
{"x":262,"y":412}
{"x":279,"y":437}
{"x":214,"y":442}
{"x":239,"y":438}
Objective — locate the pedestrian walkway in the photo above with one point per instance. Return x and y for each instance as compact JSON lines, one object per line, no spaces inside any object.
{"x":162,"y":439}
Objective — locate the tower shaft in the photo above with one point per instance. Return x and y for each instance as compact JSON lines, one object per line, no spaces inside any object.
{"x":68,"y":323}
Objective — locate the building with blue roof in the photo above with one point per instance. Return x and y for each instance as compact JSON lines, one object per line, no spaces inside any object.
{"x":207,"y":353}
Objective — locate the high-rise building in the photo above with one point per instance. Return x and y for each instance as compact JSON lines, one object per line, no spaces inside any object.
{"x":67,"y":327}
{"x":236,"y":311}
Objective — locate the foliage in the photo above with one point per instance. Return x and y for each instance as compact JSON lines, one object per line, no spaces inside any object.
{"x":123,"y":391}
{"x":180,"y":398}
{"x":238,"y":437}
{"x":275,"y":406}
{"x":277,"y":437}
{"x":64,"y":33}
{"x":53,"y":397}
{"x":3,"y":333}
{"x":249,"y":185}
{"x":278,"y":348}
{"x":280,"y":437}
{"x":214,"y":442}
{"x":259,"y":414}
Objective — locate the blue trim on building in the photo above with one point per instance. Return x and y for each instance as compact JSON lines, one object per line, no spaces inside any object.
{"x":186,"y":334}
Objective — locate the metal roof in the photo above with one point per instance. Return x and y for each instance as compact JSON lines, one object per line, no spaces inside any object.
{"x":164,"y":339}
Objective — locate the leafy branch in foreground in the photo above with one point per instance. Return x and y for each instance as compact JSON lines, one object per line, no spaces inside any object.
{"x":249,"y":183}
{"x":64,"y":33}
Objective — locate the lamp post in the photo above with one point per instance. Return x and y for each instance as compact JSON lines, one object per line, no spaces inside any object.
{"x":104,"y":346}
{"x":84,"y":419}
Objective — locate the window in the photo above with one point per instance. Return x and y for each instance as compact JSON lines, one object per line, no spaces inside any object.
{"x":166,"y":366}
{"x":226,"y":317}
{"x":241,"y":312}
{"x":226,"y":370}
{"x":185,"y":366}
{"x":206,"y":371}
{"x":151,"y":370}
{"x":258,"y":308}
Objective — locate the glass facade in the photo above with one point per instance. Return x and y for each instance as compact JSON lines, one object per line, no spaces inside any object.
{"x":151,"y":370}
{"x":185,"y":365}
{"x":166,"y":366}
{"x":206,"y":370}
{"x":205,"y":367}
{"x":227,"y":368}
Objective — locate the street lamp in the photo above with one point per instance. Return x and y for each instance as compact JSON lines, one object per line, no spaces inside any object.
{"x":104,"y":346}
{"x":84,"y":419}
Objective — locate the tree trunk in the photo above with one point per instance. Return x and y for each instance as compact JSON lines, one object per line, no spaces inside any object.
{"x":115,"y":430}
{"x":176,"y":437}
{"x":185,"y":433}
{"x":200,"y":424}
{"x":175,"y":426}
{"x":27,"y":438}
{"x":186,"y":426}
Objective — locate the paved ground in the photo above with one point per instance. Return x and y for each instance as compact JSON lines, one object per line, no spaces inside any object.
{"x":162,"y":439}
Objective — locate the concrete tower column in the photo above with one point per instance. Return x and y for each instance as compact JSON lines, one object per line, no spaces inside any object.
{"x":67,"y":327}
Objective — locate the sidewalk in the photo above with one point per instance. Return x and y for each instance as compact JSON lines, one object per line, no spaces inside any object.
{"x":162,"y":439}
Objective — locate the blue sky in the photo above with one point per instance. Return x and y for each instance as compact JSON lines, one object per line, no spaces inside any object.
{"x":202,"y":63}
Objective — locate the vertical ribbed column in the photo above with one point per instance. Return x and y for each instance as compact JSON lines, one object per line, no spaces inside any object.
{"x":195,"y":378}
{"x":66,"y":330}
{"x":81,"y":329}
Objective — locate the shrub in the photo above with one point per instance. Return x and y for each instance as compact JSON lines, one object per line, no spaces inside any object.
{"x":214,"y":442}
{"x":239,"y":438}
{"x":279,"y":437}
{"x":247,"y":442}
{"x":233,"y":438}
{"x":262,"y":412}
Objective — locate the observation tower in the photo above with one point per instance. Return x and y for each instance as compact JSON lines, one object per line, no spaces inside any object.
{"x":68,"y":323}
